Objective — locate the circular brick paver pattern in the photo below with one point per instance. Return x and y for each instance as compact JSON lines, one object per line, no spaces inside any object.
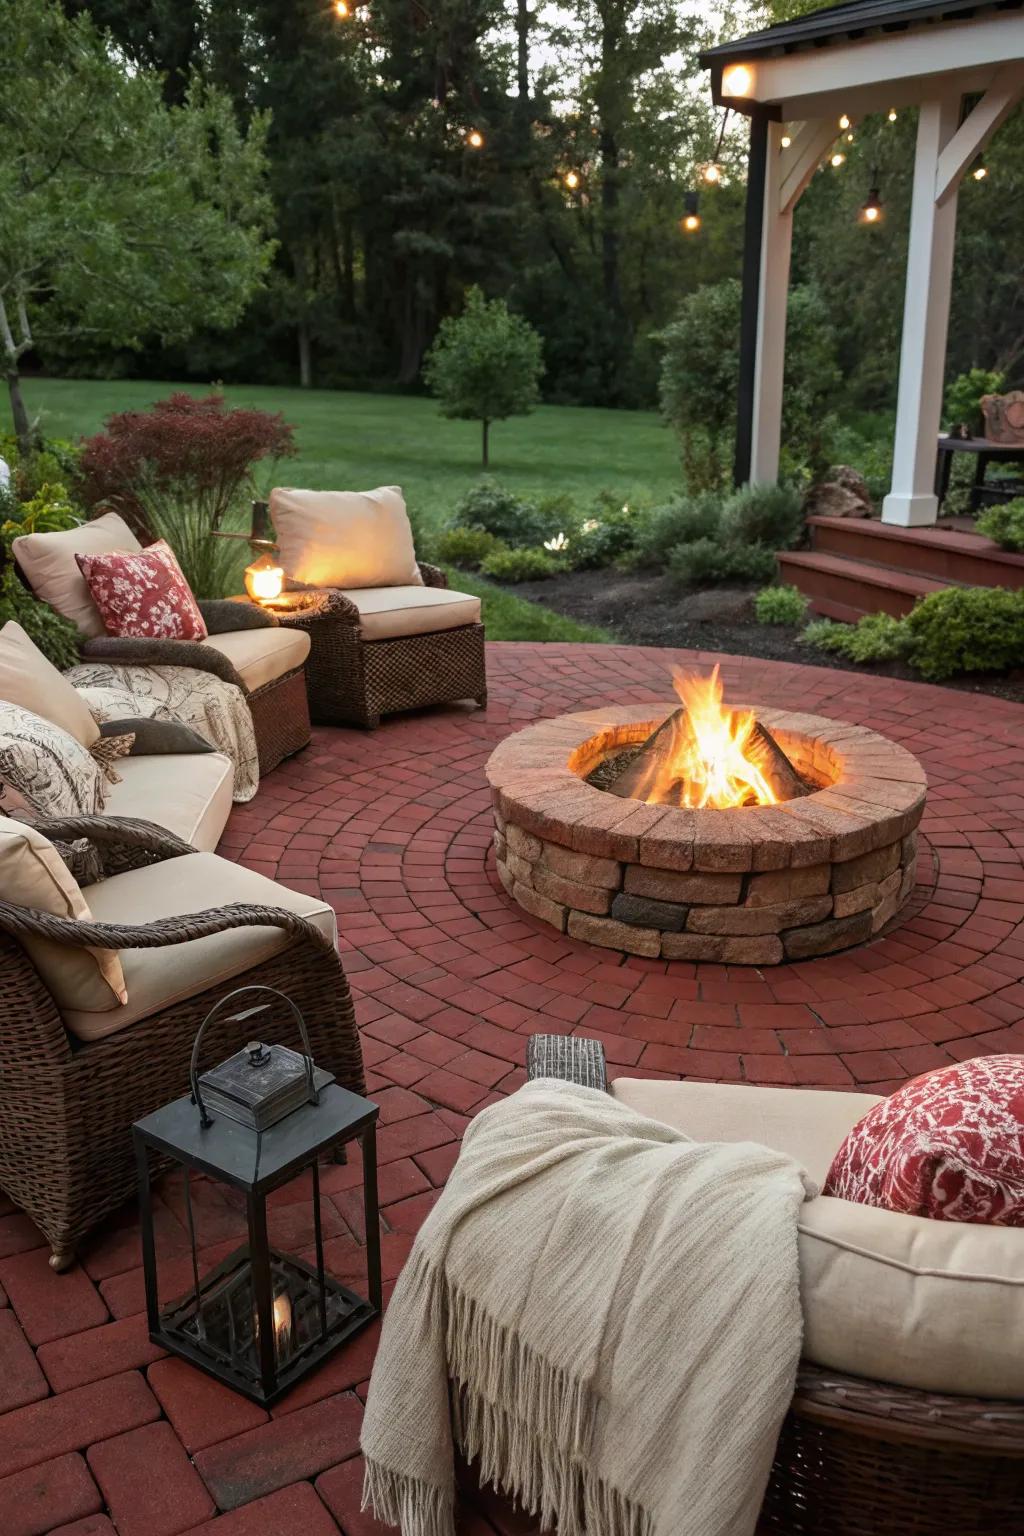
{"x":450,"y":976}
{"x":98,"y":1434}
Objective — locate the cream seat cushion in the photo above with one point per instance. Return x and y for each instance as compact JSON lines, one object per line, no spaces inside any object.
{"x":928,"y":1304}
{"x":195,"y":882}
{"x":27,"y":678}
{"x":47,"y":561}
{"x":32,"y":874}
{"x":188,"y":793}
{"x":261,"y":656}
{"x":345,"y":538}
{"x":385,"y":613}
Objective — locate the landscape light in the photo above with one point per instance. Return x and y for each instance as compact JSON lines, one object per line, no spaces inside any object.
{"x":738,"y":80}
{"x":691,"y":217}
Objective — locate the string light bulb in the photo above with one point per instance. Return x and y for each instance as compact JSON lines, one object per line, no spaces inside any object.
{"x":786,"y":140}
{"x":838,"y":159}
{"x":691,"y":215}
{"x":572,"y":180}
{"x":712,"y":173}
{"x":342,"y":9}
{"x":871,"y":210}
{"x":844,"y":122}
{"x":475,"y":139}
{"x":738,"y":80}
{"x":980,"y":172}
{"x":892,"y":114}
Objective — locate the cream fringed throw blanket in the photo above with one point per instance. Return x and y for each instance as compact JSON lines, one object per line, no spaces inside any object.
{"x":617,"y":1310}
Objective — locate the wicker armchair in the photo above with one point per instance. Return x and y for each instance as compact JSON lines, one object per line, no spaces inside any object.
{"x":866,"y":1458}
{"x":67,"y":1106}
{"x":355,"y":681}
{"x":280,"y":710}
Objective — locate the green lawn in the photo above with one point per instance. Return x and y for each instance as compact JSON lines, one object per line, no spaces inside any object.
{"x":356,"y":441}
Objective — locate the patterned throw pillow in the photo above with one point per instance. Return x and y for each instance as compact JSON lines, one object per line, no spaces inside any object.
{"x":107,"y":750}
{"x":44,"y":769}
{"x":949,"y":1145}
{"x":143,"y":596}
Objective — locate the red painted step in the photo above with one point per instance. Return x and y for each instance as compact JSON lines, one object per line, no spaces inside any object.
{"x":840,"y":588}
{"x":945,"y":554}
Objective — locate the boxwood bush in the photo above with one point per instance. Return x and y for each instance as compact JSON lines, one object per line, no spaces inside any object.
{"x":955,"y":630}
{"x":780,"y":605}
{"x":1004,"y":525}
{"x":519,"y":565}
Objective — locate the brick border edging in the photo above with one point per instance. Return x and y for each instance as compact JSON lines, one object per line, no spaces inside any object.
{"x":752,"y":886}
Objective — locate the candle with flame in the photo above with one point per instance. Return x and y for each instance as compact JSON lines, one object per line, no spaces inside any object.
{"x":282,"y":1324}
{"x":264,"y":579}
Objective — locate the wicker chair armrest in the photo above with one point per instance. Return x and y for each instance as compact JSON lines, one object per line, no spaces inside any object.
{"x":162,"y":653}
{"x":569,"y":1057}
{"x":319,"y":603}
{"x":123,"y":842}
{"x":433,"y":576}
{"x":221,"y":615}
{"x":27,"y":923}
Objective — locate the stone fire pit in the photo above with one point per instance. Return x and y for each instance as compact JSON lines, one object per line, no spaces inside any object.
{"x":746,"y":886}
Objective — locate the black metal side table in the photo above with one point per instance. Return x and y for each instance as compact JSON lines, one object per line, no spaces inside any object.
{"x":985,"y":452}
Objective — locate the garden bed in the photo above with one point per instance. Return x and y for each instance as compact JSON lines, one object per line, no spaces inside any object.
{"x":649,"y":610}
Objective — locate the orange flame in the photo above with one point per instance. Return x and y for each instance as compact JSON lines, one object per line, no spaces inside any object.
{"x":711,"y":760}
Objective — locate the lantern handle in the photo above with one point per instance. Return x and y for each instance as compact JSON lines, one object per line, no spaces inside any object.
{"x":205,"y":1118}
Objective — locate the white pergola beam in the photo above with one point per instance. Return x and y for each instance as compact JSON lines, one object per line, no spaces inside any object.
{"x":977,"y":128}
{"x":912,"y":501}
{"x":773,"y":292}
{"x":887,"y":60}
{"x":802,"y":158}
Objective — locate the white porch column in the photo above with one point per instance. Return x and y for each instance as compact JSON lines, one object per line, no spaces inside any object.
{"x":912,"y":501}
{"x":776,"y":244}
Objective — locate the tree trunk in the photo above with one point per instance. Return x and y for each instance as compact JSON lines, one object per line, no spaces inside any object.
{"x":524,"y":21}
{"x":486,"y":444}
{"x":19,"y":414}
{"x":305,"y":356}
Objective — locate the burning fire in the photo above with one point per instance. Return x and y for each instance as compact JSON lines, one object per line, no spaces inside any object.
{"x":712,"y":756}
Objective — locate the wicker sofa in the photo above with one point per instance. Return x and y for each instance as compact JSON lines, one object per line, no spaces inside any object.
{"x":186,"y":927}
{"x":245,"y":645}
{"x":908,"y":1417}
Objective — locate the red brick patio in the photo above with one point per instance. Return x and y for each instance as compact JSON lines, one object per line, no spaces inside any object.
{"x":98,"y":1434}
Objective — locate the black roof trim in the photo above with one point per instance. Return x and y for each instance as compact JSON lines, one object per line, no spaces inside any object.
{"x":854,"y":19}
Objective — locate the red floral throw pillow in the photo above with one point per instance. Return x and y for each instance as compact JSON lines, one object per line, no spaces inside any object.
{"x":143,"y":595}
{"x":949,"y":1145}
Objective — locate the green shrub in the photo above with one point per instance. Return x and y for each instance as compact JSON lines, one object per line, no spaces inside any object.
{"x":467,"y":548}
{"x":53,"y":462}
{"x":771,"y":515}
{"x":606,"y":536}
{"x":966,"y":629}
{"x":515,"y":522}
{"x":964,"y":395}
{"x":56,"y":637}
{"x":709,"y":562}
{"x":780,"y":605}
{"x":876,"y":637}
{"x":1004,"y":525}
{"x":49,"y":511}
{"x":519,"y":565}
{"x":683,"y":520}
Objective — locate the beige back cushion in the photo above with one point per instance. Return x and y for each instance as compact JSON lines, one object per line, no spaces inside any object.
{"x":32,"y":874}
{"x":927,"y":1304}
{"x":28,"y":679}
{"x":47,"y":561}
{"x":345,"y":538}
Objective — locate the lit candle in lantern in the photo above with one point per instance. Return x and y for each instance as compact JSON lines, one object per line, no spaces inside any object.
{"x":264,"y":579}
{"x":282,"y":1324}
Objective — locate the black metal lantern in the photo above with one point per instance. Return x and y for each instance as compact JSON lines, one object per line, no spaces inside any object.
{"x":262,"y":1319}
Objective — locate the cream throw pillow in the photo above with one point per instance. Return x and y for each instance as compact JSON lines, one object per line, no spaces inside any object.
{"x":47,"y":561}
{"x":32,"y":874}
{"x":345,"y":538}
{"x":28,"y":679}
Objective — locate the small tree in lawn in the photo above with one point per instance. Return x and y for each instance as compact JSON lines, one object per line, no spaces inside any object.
{"x":485,"y":364}
{"x":121,"y":219}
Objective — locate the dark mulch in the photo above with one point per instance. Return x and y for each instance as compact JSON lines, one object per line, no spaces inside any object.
{"x":647,"y":610}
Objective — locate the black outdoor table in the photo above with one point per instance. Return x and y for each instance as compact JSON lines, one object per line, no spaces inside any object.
{"x":986,"y":452}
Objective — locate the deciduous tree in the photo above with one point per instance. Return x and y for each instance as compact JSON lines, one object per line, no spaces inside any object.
{"x":485,"y":365}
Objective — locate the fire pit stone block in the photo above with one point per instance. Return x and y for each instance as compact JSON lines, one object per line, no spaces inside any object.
{"x":746,"y":886}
